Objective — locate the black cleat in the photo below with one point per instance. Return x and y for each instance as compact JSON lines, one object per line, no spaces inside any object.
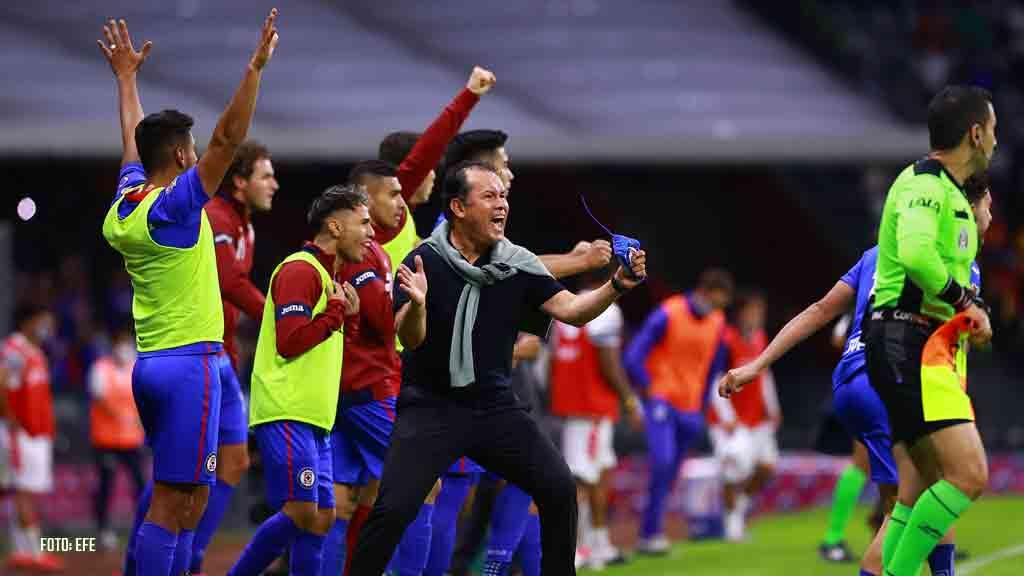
{"x":836,"y":553}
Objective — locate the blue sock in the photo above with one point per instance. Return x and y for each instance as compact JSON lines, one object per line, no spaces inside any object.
{"x":444,"y":523}
{"x":220,"y":497}
{"x":141,"y":508}
{"x":941,"y":560}
{"x":414,"y":548}
{"x":267,"y":543}
{"x":154,"y":550}
{"x":864,"y":572}
{"x":182,"y":552}
{"x":307,"y":554}
{"x":529,"y":547}
{"x":508,"y":521}
{"x":334,"y":549}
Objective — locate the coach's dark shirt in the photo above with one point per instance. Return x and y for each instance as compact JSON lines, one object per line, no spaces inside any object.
{"x":506,"y":308}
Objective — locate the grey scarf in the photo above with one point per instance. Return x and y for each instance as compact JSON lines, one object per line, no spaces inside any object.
{"x":507,"y":259}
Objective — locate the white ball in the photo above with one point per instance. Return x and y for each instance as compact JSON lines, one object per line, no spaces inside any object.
{"x":26,"y":208}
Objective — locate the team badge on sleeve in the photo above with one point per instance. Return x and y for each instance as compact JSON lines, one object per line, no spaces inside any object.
{"x":307,"y":477}
{"x":211,"y":463}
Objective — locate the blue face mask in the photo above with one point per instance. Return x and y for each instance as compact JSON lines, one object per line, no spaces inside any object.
{"x":622,"y":246}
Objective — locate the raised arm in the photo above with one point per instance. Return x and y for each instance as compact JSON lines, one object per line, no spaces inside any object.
{"x":125,"y":61}
{"x":578,"y":309}
{"x":430,"y":147}
{"x":233,"y":124}
{"x":810,"y":320}
{"x":585,"y":256}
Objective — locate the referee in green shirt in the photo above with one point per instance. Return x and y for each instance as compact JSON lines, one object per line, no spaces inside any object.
{"x":928,"y":239}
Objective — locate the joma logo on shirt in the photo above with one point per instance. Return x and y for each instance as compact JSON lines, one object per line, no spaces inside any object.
{"x":364,"y":278}
{"x":925,"y":203}
{"x":290,"y":309}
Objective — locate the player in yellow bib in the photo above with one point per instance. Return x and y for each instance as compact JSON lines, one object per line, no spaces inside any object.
{"x":295,"y":383}
{"x":156,"y":222}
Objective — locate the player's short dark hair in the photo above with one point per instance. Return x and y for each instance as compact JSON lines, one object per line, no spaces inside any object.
{"x":747,"y":296}
{"x":456,"y":183}
{"x":157,"y":133}
{"x":953,"y":111}
{"x":396,"y":146}
{"x":473,"y":144}
{"x":28,"y":311}
{"x":246,"y":157}
{"x":976,"y":187}
{"x":716,"y":279}
{"x":337,"y":197}
{"x":366,"y":168}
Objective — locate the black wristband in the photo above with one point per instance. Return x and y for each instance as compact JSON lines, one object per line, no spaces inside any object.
{"x":618,"y":286}
{"x":955,"y":295}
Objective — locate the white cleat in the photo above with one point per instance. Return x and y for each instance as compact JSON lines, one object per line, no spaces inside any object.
{"x":656,"y":546}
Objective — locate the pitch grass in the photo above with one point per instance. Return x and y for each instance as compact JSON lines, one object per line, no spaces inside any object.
{"x":786,"y":545}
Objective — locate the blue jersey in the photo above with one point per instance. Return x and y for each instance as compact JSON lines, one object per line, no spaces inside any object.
{"x":862,"y":279}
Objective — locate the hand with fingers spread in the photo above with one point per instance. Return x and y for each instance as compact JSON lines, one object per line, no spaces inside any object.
{"x":481,"y":81}
{"x":351,"y":299}
{"x":124,"y":59}
{"x":268,"y":42}
{"x":414,"y":284}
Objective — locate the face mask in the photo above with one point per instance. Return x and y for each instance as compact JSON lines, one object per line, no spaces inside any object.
{"x":124,"y":353}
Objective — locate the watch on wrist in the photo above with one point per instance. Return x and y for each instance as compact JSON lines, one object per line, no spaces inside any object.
{"x":618,"y":286}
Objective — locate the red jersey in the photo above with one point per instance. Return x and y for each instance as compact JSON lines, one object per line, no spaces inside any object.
{"x":28,"y":386}
{"x":234,"y":240}
{"x":427,"y":152}
{"x":370,"y":360}
{"x":578,"y":389}
{"x":754,"y":403}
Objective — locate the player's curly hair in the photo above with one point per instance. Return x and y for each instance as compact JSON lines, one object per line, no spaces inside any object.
{"x":976,"y":186}
{"x":157,"y":134}
{"x":246,"y":157}
{"x":337,"y":197}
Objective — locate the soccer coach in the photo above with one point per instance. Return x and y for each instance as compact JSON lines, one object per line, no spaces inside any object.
{"x":455,"y":398}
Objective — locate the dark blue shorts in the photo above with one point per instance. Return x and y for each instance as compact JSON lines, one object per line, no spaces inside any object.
{"x":360,"y":439}
{"x":296,"y":463}
{"x":178,"y":398}
{"x":234,"y":421}
{"x":864,"y":416}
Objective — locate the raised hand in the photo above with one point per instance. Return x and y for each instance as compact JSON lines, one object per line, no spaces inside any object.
{"x":268,"y":41}
{"x":351,"y":299}
{"x":414,"y":284}
{"x":638,"y":264}
{"x":119,"y":51}
{"x":481,"y":81}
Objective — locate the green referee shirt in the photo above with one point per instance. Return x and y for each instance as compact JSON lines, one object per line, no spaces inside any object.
{"x":926,"y":242}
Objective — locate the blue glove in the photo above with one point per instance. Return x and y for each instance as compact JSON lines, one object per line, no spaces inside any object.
{"x":624,"y":247}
